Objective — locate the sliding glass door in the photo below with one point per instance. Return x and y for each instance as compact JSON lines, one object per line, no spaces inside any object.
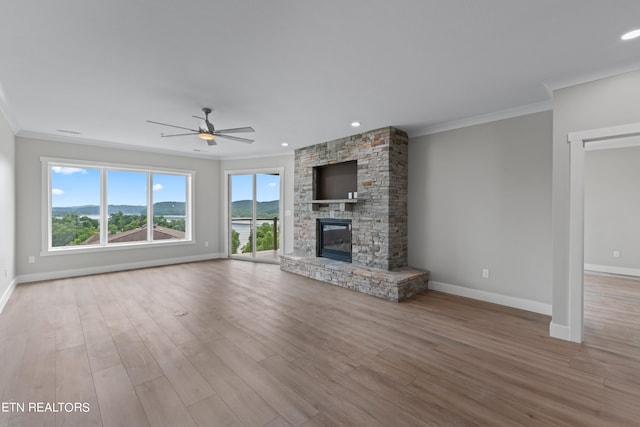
{"x":254,"y":216}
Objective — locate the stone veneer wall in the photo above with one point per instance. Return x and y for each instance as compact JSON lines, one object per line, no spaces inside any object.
{"x":379,"y":219}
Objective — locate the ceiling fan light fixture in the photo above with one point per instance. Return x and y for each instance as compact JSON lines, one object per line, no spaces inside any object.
{"x":631,"y":35}
{"x":206,"y":136}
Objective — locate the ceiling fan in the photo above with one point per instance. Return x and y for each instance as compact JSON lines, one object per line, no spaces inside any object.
{"x":208,"y":131}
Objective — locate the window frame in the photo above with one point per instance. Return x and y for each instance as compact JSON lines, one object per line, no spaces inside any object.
{"x":47,"y":163}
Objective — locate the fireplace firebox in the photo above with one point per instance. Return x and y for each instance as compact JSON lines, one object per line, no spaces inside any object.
{"x":334,"y":239}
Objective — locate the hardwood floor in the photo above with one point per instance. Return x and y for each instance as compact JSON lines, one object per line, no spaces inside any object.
{"x":612,"y":313}
{"x":261,"y":347}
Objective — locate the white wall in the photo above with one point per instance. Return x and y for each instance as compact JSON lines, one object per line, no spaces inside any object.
{"x":602,"y":103}
{"x":7,"y":211}
{"x":612,"y":208}
{"x":480,"y":197}
{"x":207,"y":199}
{"x":286,"y":162}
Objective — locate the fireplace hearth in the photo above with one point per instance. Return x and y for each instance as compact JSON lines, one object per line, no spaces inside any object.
{"x":334,"y":239}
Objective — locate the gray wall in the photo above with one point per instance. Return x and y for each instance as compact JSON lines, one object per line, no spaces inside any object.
{"x":602,"y":103}
{"x":612,"y":207}
{"x":7,"y":207}
{"x":29,"y":195}
{"x":480,"y":197}
{"x":285,"y":162}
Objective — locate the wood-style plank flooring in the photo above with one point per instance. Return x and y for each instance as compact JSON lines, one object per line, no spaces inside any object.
{"x":261,"y":347}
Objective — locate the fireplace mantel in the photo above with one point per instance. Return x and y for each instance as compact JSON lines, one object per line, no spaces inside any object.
{"x":343,"y":204}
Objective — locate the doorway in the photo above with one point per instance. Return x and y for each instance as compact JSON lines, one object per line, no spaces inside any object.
{"x":612,"y":245}
{"x":254,"y":204}
{"x":577,"y":140}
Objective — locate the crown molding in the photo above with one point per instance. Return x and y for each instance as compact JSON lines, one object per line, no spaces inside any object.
{"x":114,"y":145}
{"x":6,"y":111}
{"x":484,"y":118}
{"x":130,"y":147}
{"x":556,"y":84}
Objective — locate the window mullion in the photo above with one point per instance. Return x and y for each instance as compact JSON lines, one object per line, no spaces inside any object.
{"x":255,"y":219}
{"x":188,"y":209}
{"x":149,"y":207}
{"x":104,"y":208}
{"x":49,"y":208}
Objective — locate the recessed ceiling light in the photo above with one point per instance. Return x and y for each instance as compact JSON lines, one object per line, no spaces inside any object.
{"x":355,"y":124}
{"x":631,"y":35}
{"x":285,"y":144}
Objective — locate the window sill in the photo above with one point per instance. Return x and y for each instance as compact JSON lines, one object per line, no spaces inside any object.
{"x":76,"y":250}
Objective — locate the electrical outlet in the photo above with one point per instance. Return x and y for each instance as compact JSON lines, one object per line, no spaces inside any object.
{"x":616,"y":254}
{"x":32,"y":259}
{"x":485,"y":273}
{"x":206,"y":244}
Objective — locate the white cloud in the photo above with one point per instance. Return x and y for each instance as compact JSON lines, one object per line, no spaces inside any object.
{"x":65,"y":170}
{"x":157,"y":187}
{"x":57,"y":192}
{"x":271,"y":184}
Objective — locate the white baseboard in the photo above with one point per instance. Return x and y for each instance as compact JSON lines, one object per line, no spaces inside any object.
{"x":63,"y":274}
{"x":559,"y":331}
{"x":7,"y":294}
{"x":519,"y":303}
{"x":612,"y":269}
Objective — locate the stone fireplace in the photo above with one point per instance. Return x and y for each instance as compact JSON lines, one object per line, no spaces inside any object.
{"x":361,"y":179}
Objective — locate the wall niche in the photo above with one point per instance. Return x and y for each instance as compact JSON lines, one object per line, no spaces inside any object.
{"x":335,"y":181}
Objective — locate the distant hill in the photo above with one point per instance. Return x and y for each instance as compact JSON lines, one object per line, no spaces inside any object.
{"x":242,"y":209}
{"x":160,"y":208}
{"x":77,"y":210}
{"x":127,"y":209}
{"x":169,"y":208}
{"x":239,"y":209}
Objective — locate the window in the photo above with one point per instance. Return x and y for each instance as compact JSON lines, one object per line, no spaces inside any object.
{"x":93,"y":206}
{"x":169,"y":206}
{"x":127,"y":206}
{"x":75,"y":206}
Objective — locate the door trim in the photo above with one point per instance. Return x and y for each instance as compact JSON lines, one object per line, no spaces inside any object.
{"x":574,"y":331}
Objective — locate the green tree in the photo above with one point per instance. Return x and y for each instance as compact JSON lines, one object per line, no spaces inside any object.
{"x":177,"y":224}
{"x":264,"y":239}
{"x":235,"y":241}
{"x":119,"y":222}
{"x":160,"y":221}
{"x":72,"y":229}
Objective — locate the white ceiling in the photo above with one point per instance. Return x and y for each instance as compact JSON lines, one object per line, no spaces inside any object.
{"x":297,"y":71}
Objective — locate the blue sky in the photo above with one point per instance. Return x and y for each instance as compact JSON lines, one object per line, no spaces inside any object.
{"x":81,"y":186}
{"x":75,"y":186}
{"x":267,"y":187}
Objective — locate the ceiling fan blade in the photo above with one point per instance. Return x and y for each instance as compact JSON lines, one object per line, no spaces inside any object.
{"x":177,"y":134}
{"x":173,"y":126}
{"x":199,"y":118}
{"x":234,"y":138}
{"x":236,"y":130}
{"x":212,"y":142}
